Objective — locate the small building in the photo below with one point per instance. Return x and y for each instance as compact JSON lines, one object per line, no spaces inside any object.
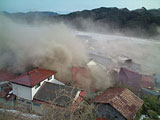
{"x":6,"y":93}
{"x":128,"y":63}
{"x":5,"y":76}
{"x":83,"y":78}
{"x":26,"y":85}
{"x":134,"y":80}
{"x":4,"y":80}
{"x":100,"y":61}
{"x":59,"y":95}
{"x":117,"y":104}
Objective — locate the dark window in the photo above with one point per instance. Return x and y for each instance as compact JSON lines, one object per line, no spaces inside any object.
{"x":37,"y":85}
{"x":50,"y":78}
{"x":36,"y":104}
{"x":28,"y":102}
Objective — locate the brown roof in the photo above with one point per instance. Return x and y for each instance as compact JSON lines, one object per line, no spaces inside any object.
{"x":147,"y":81}
{"x":33,"y":77}
{"x":135,"y":80}
{"x":82,"y":77}
{"x":6,"y":76}
{"x":122,"y":99}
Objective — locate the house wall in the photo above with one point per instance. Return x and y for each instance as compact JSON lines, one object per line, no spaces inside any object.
{"x":34,"y":90}
{"x":27,"y":92}
{"x":22,"y":91}
{"x":108,"y":112}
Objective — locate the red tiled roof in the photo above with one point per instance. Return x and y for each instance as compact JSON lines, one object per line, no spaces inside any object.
{"x":6,"y":76}
{"x":33,"y":77}
{"x":122,"y":99}
{"x":79,"y":75}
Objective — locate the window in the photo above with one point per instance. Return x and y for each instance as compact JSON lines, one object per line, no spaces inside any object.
{"x":50,"y":78}
{"x":36,"y":104}
{"x":28,"y":103}
{"x":36,"y":86}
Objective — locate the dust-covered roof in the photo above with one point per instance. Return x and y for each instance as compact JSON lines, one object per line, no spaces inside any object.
{"x":60,"y":95}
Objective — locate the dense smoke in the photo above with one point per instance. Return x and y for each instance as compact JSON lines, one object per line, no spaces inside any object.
{"x":50,"y":46}
{"x":46,"y":45}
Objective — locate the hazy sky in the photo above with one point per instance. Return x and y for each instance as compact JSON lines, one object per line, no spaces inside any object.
{"x":66,"y":6}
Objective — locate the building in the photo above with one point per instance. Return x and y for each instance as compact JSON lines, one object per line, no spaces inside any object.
{"x":83,"y":78}
{"x":59,"y":95}
{"x":100,"y":61}
{"x":4,"y":80}
{"x":117,"y":104}
{"x":6,"y":93}
{"x":5,"y":76}
{"x":26,"y":85}
{"x":134,"y":80}
{"x":128,"y":63}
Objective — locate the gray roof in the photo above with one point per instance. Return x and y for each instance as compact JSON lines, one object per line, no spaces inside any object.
{"x":60,"y":95}
{"x":100,"y":59}
{"x":150,"y":92}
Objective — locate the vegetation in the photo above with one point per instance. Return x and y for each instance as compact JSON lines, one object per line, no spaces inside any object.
{"x":140,"y":22}
{"x":11,"y":116}
{"x":151,"y":108}
{"x":83,"y":112}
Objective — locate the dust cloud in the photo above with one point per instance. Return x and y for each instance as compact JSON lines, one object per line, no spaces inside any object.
{"x":51,"y":46}
{"x":48,"y":45}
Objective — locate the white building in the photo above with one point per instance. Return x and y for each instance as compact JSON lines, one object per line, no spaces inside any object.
{"x":25,"y":86}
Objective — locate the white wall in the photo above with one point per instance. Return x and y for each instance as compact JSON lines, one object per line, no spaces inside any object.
{"x":34,"y":90}
{"x":27,"y":92}
{"x":22,"y":91}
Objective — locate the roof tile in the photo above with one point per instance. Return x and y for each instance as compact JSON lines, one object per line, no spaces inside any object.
{"x":122,"y":99}
{"x":33,"y":77}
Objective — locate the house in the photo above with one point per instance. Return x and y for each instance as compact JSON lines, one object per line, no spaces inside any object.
{"x":59,"y":95}
{"x":6,"y":93}
{"x":134,"y":80}
{"x":5,"y":76}
{"x":128,"y":63}
{"x":82,"y":78}
{"x":100,"y":61}
{"x":117,"y":104}
{"x":4,"y":81}
{"x":26,"y":85}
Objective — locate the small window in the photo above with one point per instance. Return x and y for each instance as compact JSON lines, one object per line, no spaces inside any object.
{"x":50,"y":78}
{"x":36,"y":104}
{"x":37,"y":85}
{"x":28,"y":102}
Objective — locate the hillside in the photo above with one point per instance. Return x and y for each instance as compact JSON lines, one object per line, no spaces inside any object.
{"x":139,"y":22}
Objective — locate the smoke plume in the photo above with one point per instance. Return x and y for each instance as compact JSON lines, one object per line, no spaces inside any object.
{"x":51,"y":46}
